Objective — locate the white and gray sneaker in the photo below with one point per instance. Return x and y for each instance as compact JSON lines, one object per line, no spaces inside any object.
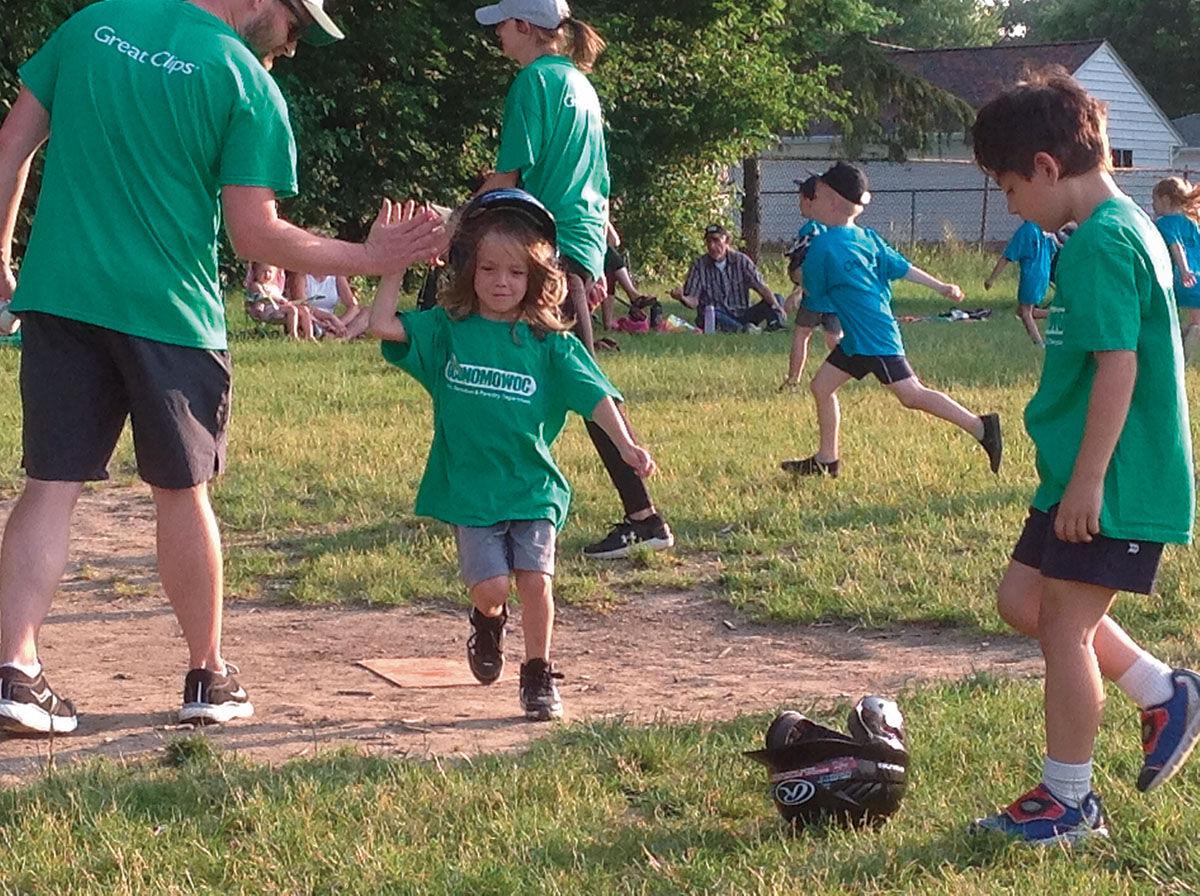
{"x":29,"y":706}
{"x":212,"y":698}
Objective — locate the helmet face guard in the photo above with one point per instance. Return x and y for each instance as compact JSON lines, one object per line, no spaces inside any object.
{"x":819,"y":775}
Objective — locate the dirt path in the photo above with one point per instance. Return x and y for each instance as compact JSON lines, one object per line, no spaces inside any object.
{"x":113,"y":646}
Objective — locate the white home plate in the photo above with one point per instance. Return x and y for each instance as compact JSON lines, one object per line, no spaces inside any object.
{"x":422,"y":672}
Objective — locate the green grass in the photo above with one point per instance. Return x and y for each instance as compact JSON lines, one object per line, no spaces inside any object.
{"x":328,"y":444}
{"x":591,"y":809}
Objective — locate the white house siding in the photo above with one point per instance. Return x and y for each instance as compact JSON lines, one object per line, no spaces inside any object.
{"x":1134,"y":121}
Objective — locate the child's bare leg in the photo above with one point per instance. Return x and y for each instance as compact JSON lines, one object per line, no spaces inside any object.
{"x":1019,"y":601}
{"x":1070,"y":614}
{"x":607,"y":310}
{"x":918,"y":397}
{"x":1025,"y":312}
{"x":1191,"y":334}
{"x":291,"y":319}
{"x":535,"y":591}
{"x":799,"y":355}
{"x":490,"y":595}
{"x":626,"y":283}
{"x":825,"y":383}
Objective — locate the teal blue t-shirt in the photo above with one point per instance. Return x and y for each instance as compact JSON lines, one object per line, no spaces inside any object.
{"x":849,"y":271}
{"x":155,"y":105}
{"x":498,"y":405}
{"x":808,"y":233}
{"x":1032,"y":249}
{"x":1180,"y":230}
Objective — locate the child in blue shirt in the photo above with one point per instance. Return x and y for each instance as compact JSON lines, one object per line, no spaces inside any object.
{"x":808,"y":315}
{"x":1177,"y":205}
{"x":850,"y":268}
{"x":1033,"y":250}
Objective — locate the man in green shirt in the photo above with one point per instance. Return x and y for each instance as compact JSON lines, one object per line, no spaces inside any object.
{"x":1114,"y":455}
{"x":162,"y":119}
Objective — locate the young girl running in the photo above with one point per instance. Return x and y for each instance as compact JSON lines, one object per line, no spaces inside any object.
{"x":1177,"y":205}
{"x":502,"y":373}
{"x":552,"y":144}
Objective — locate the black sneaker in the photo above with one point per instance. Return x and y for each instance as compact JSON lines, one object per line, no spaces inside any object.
{"x":28,"y":706}
{"x":211,"y":698}
{"x":485,"y":646}
{"x":810,"y":466}
{"x":539,"y":694}
{"x":653,"y":532}
{"x":992,"y":442}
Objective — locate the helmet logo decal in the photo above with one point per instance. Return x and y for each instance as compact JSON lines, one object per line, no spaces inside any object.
{"x":793,"y":793}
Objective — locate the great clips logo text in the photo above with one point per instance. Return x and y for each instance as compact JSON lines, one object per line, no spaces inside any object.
{"x":490,"y":379}
{"x":163,"y":59}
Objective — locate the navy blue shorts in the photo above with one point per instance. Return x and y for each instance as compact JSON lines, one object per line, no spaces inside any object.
{"x":887,"y":368}
{"x":1108,"y":562}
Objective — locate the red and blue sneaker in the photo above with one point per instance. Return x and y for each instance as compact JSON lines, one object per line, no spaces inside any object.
{"x":1170,"y":731}
{"x":1039,"y":819}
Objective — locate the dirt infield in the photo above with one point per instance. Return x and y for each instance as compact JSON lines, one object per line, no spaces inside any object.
{"x":116,"y":650}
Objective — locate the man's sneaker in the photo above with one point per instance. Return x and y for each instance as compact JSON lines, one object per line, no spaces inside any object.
{"x":992,"y":442}
{"x":1039,"y":819}
{"x":1170,"y":731}
{"x":810,"y":466}
{"x":212,"y":698}
{"x":652,"y":532}
{"x":28,"y":706}
{"x":485,"y":646}
{"x":539,"y":695}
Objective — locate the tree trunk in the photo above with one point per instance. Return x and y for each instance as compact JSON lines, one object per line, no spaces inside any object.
{"x":752,"y":207}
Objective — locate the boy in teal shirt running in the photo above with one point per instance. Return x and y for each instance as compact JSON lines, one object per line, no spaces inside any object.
{"x":1114,"y":457}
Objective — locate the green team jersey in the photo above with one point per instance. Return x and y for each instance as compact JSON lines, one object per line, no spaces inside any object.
{"x":1114,"y":294}
{"x":553,"y":134}
{"x":500,"y":398}
{"x":154,"y":105}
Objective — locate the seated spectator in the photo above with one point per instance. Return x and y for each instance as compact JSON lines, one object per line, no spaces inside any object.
{"x":267,"y":303}
{"x":322,"y":293}
{"x":722,"y":279}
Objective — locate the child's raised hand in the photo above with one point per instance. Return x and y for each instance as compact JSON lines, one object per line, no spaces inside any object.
{"x":952,"y":291}
{"x":639,"y":458}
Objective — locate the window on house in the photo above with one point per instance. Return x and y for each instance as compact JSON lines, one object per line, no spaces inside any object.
{"x":1122,"y":158}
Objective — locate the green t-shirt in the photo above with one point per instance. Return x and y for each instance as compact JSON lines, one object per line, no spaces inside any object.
{"x":498,"y":405}
{"x":553,"y":135}
{"x":154,"y":105}
{"x":1114,"y":294}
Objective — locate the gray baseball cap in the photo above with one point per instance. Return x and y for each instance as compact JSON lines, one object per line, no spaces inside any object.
{"x":543,"y":13}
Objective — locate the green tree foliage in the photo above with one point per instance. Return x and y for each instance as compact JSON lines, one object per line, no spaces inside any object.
{"x":1157,"y":38}
{"x":942,"y":23}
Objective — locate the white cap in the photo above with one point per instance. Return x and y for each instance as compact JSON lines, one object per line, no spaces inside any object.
{"x":543,"y":13}
{"x":323,"y":31}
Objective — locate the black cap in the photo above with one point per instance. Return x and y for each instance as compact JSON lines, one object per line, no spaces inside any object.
{"x":849,"y":182}
{"x":808,"y":186}
{"x":715,"y":230}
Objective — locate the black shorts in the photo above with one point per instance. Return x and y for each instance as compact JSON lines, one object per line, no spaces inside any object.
{"x":579,"y":283}
{"x":614,"y":260}
{"x":79,"y":382}
{"x":1108,"y":562}
{"x":810,"y":320}
{"x":887,"y":368}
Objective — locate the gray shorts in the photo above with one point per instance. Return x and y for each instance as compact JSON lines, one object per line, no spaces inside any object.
{"x":485,"y":552}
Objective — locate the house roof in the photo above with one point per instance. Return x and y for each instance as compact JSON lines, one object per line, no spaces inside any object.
{"x":976,"y":74}
{"x":1189,"y":129}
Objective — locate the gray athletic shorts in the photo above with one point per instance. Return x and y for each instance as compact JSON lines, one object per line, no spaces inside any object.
{"x":485,"y":552}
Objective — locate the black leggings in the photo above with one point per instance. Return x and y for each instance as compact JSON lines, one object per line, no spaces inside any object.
{"x":630,"y":486}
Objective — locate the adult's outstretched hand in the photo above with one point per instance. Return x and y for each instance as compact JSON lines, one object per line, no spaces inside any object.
{"x":404,"y":233}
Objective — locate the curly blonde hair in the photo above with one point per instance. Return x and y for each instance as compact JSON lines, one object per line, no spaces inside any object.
{"x":546,"y":287}
{"x":1178,"y":193}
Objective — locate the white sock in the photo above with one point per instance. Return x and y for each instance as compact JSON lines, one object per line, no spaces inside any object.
{"x":32,"y":671}
{"x":1147,"y":682}
{"x":1069,"y":783}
